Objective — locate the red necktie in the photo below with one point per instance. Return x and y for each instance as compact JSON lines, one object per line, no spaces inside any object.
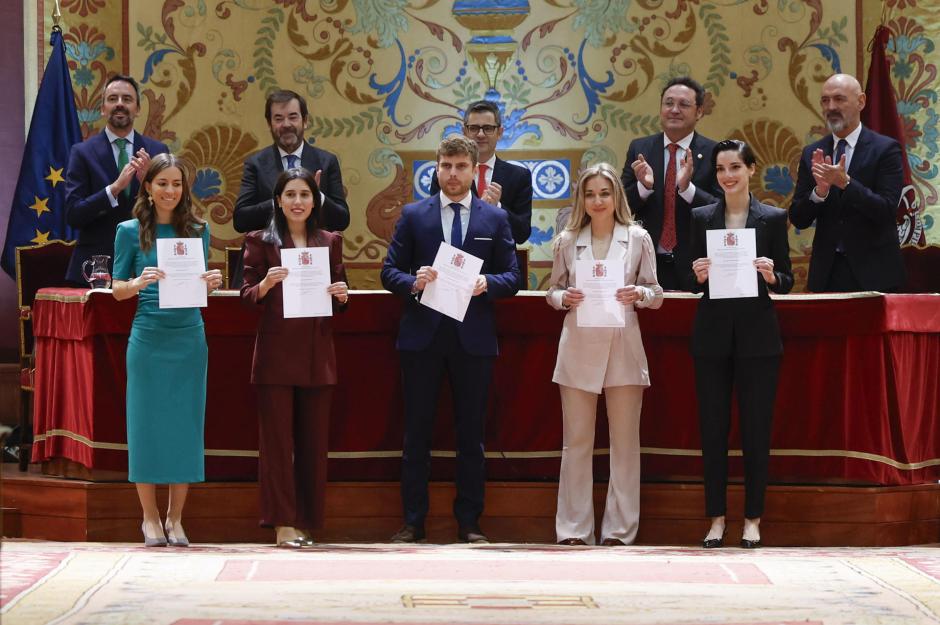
{"x":667,"y":240}
{"x":481,"y":180}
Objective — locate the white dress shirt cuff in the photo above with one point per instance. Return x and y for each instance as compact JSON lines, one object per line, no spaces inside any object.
{"x":111,"y":198}
{"x":643,"y":191}
{"x":689,"y":194}
{"x":814,"y":197}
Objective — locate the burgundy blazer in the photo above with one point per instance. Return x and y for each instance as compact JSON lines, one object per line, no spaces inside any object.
{"x":290,"y":352}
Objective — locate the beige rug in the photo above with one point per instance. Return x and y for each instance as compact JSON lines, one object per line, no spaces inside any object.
{"x":103,"y":584}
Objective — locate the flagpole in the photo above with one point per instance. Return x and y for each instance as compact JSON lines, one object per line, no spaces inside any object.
{"x":56,"y":16}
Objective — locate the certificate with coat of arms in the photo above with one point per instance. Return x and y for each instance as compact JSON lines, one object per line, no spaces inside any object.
{"x":308,"y":277}
{"x":183,"y":262}
{"x":457,"y":273}
{"x":732,"y":272}
{"x":599,"y":281}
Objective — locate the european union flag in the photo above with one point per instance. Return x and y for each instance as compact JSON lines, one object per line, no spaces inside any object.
{"x":38,"y":212}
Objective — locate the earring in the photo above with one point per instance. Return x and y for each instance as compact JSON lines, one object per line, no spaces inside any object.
{"x":150,"y":199}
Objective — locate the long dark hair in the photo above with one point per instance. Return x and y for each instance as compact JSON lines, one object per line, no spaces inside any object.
{"x":185,"y":222}
{"x":277,"y":228}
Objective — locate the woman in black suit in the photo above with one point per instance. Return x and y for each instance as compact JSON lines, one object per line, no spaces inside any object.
{"x":736,"y":342}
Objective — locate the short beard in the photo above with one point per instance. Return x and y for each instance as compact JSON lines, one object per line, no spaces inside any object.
{"x":120,"y":125}
{"x":836,"y":126}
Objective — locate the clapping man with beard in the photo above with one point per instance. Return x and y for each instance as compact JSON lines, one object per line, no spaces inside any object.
{"x":104,"y":174}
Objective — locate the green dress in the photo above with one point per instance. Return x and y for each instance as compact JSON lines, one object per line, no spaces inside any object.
{"x":166,"y":373}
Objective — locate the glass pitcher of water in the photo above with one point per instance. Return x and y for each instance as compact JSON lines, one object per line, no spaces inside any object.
{"x":99,"y":277}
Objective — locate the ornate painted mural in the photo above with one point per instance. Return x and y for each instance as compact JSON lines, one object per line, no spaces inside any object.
{"x":576,"y":81}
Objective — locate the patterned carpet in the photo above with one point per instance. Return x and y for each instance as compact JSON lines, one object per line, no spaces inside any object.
{"x":112,"y":584}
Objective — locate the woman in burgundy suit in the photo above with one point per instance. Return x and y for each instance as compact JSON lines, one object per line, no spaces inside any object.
{"x":294,"y":364}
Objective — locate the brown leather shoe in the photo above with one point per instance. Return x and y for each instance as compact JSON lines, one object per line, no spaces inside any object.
{"x":572,"y":542}
{"x":472,"y":534}
{"x":613,"y":542}
{"x":408,"y":534}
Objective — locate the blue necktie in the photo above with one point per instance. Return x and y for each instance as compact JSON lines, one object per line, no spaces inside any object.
{"x":456,"y":233}
{"x":291,"y":161}
{"x":840,"y":151}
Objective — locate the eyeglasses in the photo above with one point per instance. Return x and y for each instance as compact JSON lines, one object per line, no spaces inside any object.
{"x":682,"y":104}
{"x":475,"y":129}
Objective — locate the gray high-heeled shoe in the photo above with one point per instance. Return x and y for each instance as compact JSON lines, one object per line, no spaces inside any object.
{"x":152,"y":541}
{"x":175,"y":535}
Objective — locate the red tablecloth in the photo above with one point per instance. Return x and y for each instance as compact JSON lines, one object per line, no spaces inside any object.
{"x":859,"y":397}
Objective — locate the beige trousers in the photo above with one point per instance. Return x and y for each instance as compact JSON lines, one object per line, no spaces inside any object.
{"x":575,"y":515}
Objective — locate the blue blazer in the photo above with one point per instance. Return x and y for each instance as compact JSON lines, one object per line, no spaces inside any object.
{"x":90,"y":169}
{"x":863,"y":215}
{"x":418,"y":235}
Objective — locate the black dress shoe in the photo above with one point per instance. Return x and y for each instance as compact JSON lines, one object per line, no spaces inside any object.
{"x":714,"y":543}
{"x":572,"y":542}
{"x":408,"y":534}
{"x":472,"y":534}
{"x":750,"y":544}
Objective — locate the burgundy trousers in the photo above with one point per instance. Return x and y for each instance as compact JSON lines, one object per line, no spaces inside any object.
{"x":294,"y":426}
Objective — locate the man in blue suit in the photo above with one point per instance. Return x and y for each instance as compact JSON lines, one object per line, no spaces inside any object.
{"x":104,"y":174}
{"x":431,"y":344}
{"x":849,"y":185}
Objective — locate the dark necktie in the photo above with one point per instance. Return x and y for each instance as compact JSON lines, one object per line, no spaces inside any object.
{"x":292,"y":161}
{"x":840,"y":151}
{"x":456,"y":232}
{"x":667,"y":239}
{"x":122,"y":161}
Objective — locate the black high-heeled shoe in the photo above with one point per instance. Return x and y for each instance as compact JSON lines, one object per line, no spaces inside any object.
{"x":750,"y":544}
{"x":714,"y":543}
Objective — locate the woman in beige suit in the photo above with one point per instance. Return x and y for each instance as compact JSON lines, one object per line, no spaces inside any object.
{"x":595,"y":360}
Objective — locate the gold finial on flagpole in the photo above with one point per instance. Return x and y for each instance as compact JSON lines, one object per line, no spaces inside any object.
{"x":56,"y":16}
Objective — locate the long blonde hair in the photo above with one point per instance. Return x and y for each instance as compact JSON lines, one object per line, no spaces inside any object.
{"x":579,"y":217}
{"x":185,"y":222}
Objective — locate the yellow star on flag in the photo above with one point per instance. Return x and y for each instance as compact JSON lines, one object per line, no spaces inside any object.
{"x":40,"y":206}
{"x":41,"y":237}
{"x":55,"y":176}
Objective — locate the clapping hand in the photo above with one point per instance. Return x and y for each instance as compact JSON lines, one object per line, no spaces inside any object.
{"x":643,"y":171}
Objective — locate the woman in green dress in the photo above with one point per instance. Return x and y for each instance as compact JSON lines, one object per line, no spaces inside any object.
{"x":166,"y":353}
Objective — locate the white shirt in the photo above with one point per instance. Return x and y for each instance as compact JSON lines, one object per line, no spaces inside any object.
{"x":689,"y":194}
{"x":299,"y":154}
{"x":129,"y":148}
{"x":447,"y":216}
{"x":850,"y":140}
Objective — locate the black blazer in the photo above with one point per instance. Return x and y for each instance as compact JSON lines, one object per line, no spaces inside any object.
{"x":649,"y":212}
{"x":91,"y":168}
{"x":744,"y":327}
{"x":516,"y":198}
{"x":255,"y":203}
{"x":863,"y":215}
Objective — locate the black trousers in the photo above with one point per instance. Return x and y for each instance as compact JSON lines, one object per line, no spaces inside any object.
{"x":469,"y":376}
{"x":841,"y":278}
{"x":668,"y":272}
{"x":754,"y":380}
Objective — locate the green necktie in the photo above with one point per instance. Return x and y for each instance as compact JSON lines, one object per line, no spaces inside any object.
{"x":122,"y":161}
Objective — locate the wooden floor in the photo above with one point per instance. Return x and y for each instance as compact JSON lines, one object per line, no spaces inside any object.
{"x":36,"y":506}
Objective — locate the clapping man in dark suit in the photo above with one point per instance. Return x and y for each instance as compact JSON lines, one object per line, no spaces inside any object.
{"x":849,"y":184}
{"x":104,"y":173}
{"x":667,"y":174}
{"x":497,"y":182}
{"x":431,"y":344}
{"x":286,"y":113}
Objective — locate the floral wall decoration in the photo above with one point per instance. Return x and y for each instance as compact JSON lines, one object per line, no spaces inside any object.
{"x":576,"y":80}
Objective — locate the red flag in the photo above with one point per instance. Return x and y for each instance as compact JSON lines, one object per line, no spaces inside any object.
{"x":881,"y":115}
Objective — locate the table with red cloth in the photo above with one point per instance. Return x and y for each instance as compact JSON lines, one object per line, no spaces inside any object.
{"x":858,"y":402}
